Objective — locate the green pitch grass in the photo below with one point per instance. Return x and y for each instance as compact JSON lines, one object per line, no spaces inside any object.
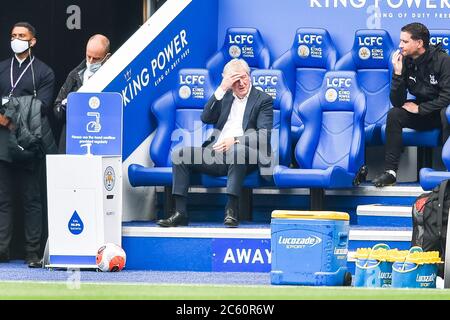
{"x":90,"y":291}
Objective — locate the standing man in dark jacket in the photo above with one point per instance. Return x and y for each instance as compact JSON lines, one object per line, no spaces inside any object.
{"x":424,"y":71}
{"x":22,"y":75}
{"x":97,"y":52}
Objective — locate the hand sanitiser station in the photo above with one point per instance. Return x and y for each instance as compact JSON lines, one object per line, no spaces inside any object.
{"x":84,"y":186}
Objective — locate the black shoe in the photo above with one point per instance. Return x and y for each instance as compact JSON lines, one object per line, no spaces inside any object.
{"x":33,"y":260}
{"x":230,"y":220}
{"x":175,"y":220}
{"x":4,"y":257}
{"x":385,"y":179}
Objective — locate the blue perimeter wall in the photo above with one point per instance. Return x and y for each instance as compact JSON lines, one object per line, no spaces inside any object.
{"x":278,"y":20}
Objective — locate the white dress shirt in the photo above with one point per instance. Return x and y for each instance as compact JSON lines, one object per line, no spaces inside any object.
{"x":233,"y":125}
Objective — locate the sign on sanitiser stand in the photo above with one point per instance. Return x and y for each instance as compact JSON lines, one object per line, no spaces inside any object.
{"x":96,"y":120}
{"x":85,"y":185}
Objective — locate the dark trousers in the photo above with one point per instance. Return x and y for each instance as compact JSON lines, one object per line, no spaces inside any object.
{"x":399,"y":118}
{"x":25,"y":184}
{"x":6,"y":221}
{"x":235,"y":164}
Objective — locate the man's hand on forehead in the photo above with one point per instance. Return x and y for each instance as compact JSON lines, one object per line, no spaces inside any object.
{"x":236,"y":76}
{"x":230,"y":78}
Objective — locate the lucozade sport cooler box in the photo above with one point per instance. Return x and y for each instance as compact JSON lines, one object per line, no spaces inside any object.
{"x":309,"y":248}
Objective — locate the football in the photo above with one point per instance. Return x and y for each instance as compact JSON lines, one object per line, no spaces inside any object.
{"x":111,"y":257}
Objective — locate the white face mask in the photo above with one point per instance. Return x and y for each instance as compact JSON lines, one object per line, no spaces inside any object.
{"x":19,"y":46}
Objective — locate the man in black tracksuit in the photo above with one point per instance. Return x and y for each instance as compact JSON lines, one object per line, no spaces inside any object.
{"x":424,"y":71}
{"x":97,"y":52}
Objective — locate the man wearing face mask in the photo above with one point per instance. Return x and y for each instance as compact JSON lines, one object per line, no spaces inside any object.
{"x":97,"y":52}
{"x":22,"y":75}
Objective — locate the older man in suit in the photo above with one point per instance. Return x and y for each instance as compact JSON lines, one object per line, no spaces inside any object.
{"x":243,"y":118}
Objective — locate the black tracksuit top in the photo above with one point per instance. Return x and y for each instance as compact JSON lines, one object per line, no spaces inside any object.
{"x":427,"y":78}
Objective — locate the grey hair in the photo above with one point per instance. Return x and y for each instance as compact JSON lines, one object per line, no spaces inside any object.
{"x":236,"y":64}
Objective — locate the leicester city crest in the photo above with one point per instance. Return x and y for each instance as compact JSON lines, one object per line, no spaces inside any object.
{"x":331,"y":95}
{"x":109,"y":178}
{"x":184,"y":92}
{"x":234,"y":51}
{"x":303,"y":51}
{"x":364,"y":53}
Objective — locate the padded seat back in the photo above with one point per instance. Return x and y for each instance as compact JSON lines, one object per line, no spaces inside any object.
{"x":272,"y":82}
{"x":242,"y":43}
{"x":370,"y":57}
{"x":178,"y":115}
{"x":334,"y":125}
{"x":304,"y":65}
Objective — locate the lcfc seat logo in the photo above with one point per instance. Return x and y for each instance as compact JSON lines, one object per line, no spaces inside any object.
{"x":438,"y":39}
{"x":192,"y":79}
{"x":184,"y":92}
{"x":435,"y":40}
{"x":339,"y":82}
{"x":265,"y":80}
{"x":331,"y":95}
{"x":234,"y":51}
{"x":364,"y":53}
{"x":241,"y":39}
{"x":303,"y":51}
{"x":370,"y":41}
{"x":310,"y":38}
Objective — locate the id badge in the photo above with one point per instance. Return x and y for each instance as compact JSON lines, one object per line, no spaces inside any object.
{"x":5,"y":100}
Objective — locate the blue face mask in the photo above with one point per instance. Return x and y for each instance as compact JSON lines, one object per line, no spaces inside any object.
{"x":93,"y":67}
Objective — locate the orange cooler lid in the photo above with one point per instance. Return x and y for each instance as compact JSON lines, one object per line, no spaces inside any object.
{"x":320,"y":215}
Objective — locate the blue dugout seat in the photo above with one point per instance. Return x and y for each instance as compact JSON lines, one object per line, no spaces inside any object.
{"x":370,"y":58}
{"x":430,"y":178}
{"x":330,"y":150}
{"x":242,"y":43}
{"x":304,"y":65}
{"x":177,"y":113}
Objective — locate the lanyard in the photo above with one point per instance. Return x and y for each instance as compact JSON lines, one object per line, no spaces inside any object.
{"x":14,"y":85}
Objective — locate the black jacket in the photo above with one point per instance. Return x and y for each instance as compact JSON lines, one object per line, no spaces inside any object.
{"x":427,"y":78}
{"x":30,"y":124}
{"x":73,"y":83}
{"x":33,"y":137}
{"x":44,"y":81}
